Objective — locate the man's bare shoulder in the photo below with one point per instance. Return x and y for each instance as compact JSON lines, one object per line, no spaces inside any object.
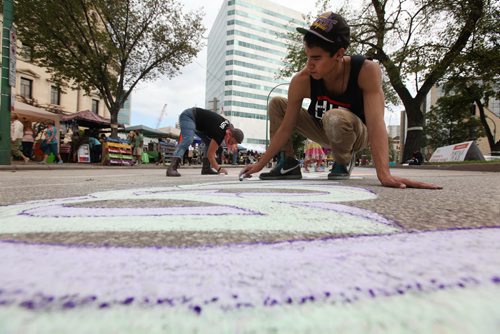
{"x":370,"y":65}
{"x":370,"y":76}
{"x":300,"y":85}
{"x":301,"y":77}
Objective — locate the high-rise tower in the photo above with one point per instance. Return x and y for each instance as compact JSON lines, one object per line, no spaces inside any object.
{"x":246,"y":48}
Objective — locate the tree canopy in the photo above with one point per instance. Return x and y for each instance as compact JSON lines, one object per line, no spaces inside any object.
{"x":451,"y":121}
{"x":476,"y":72}
{"x":109,"y":46}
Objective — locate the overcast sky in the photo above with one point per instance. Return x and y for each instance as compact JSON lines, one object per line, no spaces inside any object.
{"x":187,"y":89}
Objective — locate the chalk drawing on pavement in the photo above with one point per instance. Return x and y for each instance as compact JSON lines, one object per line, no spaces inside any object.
{"x":269,"y":207}
{"x":350,"y":284}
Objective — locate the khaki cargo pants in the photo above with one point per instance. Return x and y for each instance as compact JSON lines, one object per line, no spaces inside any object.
{"x":341,"y":130}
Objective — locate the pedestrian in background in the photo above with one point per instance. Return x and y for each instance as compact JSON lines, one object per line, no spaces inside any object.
{"x":50,"y":143}
{"x":138,"y":144}
{"x":313,"y":153}
{"x":28,"y":139}
{"x":16,"y":138}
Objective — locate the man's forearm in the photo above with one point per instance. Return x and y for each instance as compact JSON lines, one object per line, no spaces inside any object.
{"x":380,"y":152}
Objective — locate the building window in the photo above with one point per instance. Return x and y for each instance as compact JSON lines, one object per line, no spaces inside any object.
{"x":27,"y":88}
{"x":55,"y":95}
{"x":95,"y":106}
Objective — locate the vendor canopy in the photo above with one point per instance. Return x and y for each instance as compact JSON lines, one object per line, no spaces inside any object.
{"x":34,"y":114}
{"x":88,"y":119}
{"x":147,"y":131}
{"x":27,"y":112}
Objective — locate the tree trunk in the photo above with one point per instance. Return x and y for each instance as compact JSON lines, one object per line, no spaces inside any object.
{"x":484,"y":123}
{"x":414,"y":138}
{"x":414,"y":131}
{"x":114,"y":120}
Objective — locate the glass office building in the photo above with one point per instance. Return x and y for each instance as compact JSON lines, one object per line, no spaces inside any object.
{"x":124,"y":113}
{"x":245,"y":52}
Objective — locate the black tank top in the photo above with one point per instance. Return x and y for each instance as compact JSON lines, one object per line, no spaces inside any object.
{"x":351,"y":99}
{"x":211,"y":124}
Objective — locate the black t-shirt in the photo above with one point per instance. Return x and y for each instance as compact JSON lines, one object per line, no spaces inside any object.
{"x":211,"y":124}
{"x":351,"y":99}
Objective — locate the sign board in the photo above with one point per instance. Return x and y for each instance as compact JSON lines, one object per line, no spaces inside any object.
{"x":84,"y":153}
{"x":457,"y":152}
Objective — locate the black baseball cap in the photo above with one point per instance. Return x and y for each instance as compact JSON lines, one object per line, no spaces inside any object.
{"x":237,"y":134}
{"x":330,"y":27}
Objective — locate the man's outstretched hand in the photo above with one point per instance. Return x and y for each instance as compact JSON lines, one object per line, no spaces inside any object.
{"x":248,"y":170}
{"x":397,"y":182}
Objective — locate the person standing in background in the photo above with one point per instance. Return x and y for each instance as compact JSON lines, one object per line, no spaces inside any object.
{"x":16,"y":138}
{"x":28,"y":139}
{"x":95,"y":146}
{"x":50,"y":143}
{"x":138,"y":144}
{"x":313,"y":154}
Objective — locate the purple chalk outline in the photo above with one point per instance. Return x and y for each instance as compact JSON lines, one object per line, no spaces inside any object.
{"x":229,"y":207}
{"x":255,"y":276}
{"x":64,"y":211}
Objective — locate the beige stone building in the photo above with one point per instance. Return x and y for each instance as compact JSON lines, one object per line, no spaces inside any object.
{"x":35,"y":87}
{"x":35,"y":96}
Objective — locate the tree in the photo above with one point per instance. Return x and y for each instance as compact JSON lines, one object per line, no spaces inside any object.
{"x":109,"y":46}
{"x":450,"y":121}
{"x":418,"y":39}
{"x":476,"y":73}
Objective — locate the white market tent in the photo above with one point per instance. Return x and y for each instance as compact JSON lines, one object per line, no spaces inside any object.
{"x":35,"y":114}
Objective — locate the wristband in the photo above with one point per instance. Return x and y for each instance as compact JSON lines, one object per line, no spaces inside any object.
{"x":218,"y":170}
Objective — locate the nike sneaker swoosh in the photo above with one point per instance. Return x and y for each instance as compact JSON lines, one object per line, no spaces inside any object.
{"x":284,"y":171}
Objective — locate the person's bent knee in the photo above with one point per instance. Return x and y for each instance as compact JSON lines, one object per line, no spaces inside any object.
{"x":336,"y":123}
{"x":277,"y":100}
{"x":337,"y":116}
{"x":277,"y":104}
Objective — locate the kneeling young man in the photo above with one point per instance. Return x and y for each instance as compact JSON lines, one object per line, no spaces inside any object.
{"x":346,"y":111}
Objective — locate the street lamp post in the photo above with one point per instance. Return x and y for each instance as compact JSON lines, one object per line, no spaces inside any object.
{"x":267,"y":110}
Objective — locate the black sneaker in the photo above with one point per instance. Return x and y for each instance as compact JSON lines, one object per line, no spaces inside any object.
{"x":289,"y":170}
{"x":341,"y":172}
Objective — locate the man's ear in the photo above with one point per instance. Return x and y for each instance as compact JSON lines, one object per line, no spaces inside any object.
{"x":339,"y":55}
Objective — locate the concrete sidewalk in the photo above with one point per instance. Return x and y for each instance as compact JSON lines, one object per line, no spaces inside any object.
{"x":93,"y":249}
{"x":19,"y":165}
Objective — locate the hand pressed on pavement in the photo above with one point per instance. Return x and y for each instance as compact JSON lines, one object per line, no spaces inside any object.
{"x":397,"y":182}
